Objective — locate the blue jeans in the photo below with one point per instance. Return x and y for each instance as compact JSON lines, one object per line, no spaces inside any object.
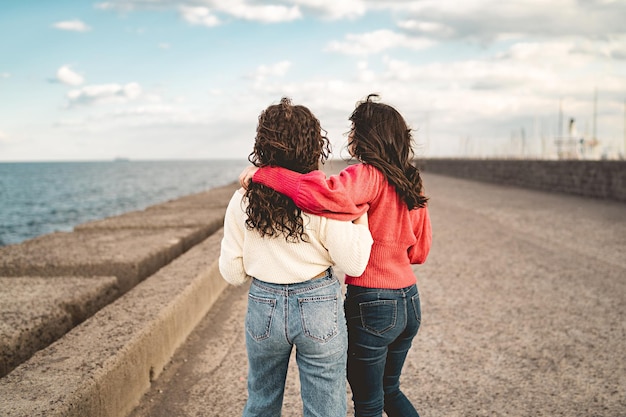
{"x":381,"y":326}
{"x":308,"y":315}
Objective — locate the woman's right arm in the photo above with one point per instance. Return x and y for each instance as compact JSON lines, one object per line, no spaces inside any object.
{"x":342,"y":197}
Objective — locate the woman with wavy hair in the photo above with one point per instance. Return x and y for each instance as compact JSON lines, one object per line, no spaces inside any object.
{"x":287,"y":256}
{"x":382,"y":304}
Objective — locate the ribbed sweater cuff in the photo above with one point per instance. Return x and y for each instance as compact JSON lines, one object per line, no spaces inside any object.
{"x":280,"y":179}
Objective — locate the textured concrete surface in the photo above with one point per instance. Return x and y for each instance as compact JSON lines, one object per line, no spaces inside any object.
{"x":35,"y":312}
{"x":209,"y":220}
{"x":128,"y":254}
{"x":103,"y":366}
{"x":524,"y":314}
{"x":217,"y":197}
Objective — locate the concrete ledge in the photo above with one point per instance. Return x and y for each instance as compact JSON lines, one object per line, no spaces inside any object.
{"x":103,"y":366}
{"x":35,"y":312}
{"x":214,"y":198}
{"x":128,"y":254}
{"x":597,"y":179}
{"x":204,"y":221}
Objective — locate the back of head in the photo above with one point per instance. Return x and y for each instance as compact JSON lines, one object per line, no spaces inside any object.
{"x":288,"y":136}
{"x":380,"y":132}
{"x":380,"y":137}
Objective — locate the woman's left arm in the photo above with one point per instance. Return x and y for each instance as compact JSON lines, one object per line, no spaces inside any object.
{"x":422,"y":229}
{"x":231,"y":252}
{"x":349,"y":244}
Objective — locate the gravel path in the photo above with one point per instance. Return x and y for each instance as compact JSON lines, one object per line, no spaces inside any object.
{"x":524,"y":314}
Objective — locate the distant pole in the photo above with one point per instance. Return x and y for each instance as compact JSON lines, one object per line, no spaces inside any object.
{"x":560,"y":129}
{"x":595,"y":112}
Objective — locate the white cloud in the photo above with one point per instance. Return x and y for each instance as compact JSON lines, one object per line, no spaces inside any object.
{"x":617,"y":48}
{"x":377,"y":41}
{"x":205,"y":12}
{"x":165,"y":45}
{"x":364,"y":73}
{"x":482,"y":97}
{"x":278,"y":69}
{"x":104,"y":93}
{"x":72,"y":25}
{"x":108,"y":6}
{"x":261,"y":13}
{"x":493,"y":20}
{"x":431,"y":29}
{"x":199,"y":16}
{"x":333,"y":9}
{"x":484,"y":20}
{"x":66,"y":76}
{"x":507,"y":62}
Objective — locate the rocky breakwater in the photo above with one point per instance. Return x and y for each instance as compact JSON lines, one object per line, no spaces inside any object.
{"x":88,"y":318}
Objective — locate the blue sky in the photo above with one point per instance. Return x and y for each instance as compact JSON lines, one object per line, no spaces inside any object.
{"x":187,"y":79}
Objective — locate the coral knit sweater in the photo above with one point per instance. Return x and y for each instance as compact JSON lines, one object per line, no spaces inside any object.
{"x":401,"y":237}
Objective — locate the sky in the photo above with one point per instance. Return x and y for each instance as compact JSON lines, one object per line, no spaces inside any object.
{"x":187,"y":79}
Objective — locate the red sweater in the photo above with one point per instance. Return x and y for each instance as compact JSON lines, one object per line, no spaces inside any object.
{"x":401,"y":237}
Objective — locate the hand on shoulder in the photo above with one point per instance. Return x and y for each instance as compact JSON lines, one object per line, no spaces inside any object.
{"x":246,"y":176}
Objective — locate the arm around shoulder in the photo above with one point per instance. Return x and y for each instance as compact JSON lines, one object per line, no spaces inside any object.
{"x":343,"y":197}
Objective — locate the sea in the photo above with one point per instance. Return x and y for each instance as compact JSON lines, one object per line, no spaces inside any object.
{"x":38,"y":198}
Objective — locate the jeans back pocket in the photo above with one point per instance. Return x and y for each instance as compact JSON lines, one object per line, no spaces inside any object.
{"x":319,"y":317}
{"x":259,"y":316}
{"x":379,"y":316}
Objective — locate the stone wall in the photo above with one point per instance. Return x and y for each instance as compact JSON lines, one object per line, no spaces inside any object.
{"x":597,"y":179}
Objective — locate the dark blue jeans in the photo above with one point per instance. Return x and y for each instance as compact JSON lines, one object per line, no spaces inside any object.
{"x":381,"y":326}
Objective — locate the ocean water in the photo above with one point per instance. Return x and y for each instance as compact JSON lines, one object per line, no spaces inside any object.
{"x":37,"y":198}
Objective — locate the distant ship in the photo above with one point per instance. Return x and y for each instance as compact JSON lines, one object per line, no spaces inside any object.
{"x":121,"y":159}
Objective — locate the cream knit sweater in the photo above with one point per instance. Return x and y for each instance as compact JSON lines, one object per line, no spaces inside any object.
{"x":246,"y":254}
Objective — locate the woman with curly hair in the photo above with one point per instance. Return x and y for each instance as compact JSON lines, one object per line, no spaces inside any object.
{"x":294,"y":297}
{"x":382,"y":305}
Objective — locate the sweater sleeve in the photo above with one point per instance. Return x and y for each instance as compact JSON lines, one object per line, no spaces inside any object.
{"x":422,"y":230}
{"x":348,"y":244}
{"x":231,"y":252}
{"x":343,"y":197}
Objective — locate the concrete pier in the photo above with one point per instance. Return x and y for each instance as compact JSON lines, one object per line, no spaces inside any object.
{"x":523,"y":297}
{"x":524,"y":314}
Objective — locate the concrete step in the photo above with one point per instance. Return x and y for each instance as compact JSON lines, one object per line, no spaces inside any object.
{"x":104,"y":365}
{"x":126,"y":248}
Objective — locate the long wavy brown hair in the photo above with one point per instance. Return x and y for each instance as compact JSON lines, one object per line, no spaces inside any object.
{"x":288,"y":136}
{"x":380,"y":137}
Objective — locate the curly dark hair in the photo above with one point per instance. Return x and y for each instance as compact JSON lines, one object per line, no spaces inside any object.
{"x":288,"y":136}
{"x":380,"y":137}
